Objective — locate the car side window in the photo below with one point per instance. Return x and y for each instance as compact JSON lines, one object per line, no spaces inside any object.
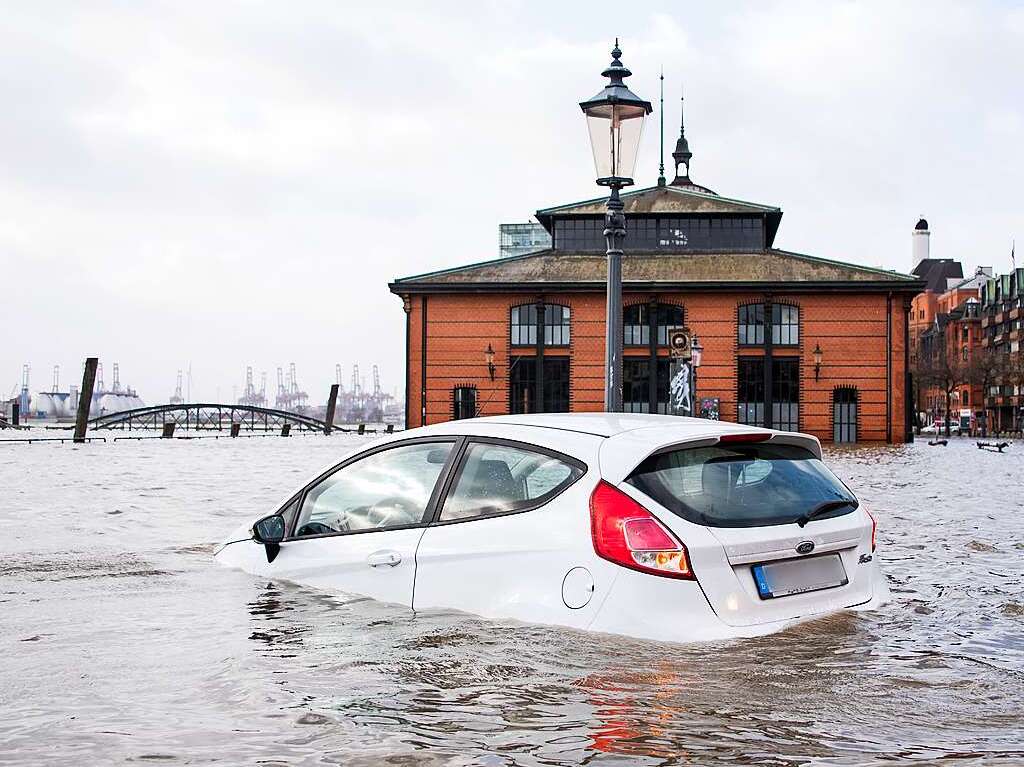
{"x":496,"y":479}
{"x":388,"y":489}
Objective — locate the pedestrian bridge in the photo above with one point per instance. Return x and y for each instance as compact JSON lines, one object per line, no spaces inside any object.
{"x":206,"y":416}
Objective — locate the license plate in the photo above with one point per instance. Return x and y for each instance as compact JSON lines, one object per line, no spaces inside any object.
{"x":799,"y":576}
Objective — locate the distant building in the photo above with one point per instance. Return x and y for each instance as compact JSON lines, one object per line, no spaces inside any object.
{"x":1002,"y":325}
{"x":520,"y":239}
{"x":526,"y":335}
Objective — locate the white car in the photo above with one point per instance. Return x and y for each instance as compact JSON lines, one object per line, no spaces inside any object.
{"x":652,"y":526}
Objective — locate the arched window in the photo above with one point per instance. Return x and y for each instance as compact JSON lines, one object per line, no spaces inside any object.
{"x":539,"y":381}
{"x":768,"y":381}
{"x":844,"y":414}
{"x":750,"y":325}
{"x":640,"y":320}
{"x":645,"y":377}
{"x":526,"y":320}
{"x":785,"y":325}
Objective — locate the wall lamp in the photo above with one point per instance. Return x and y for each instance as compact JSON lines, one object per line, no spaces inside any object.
{"x":489,"y":356}
{"x":817,"y":361}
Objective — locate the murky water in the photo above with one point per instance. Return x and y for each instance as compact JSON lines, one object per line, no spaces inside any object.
{"x":121,"y":640}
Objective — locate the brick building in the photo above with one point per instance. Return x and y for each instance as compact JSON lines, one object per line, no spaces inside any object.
{"x":1002,"y":331}
{"x":692,"y":258}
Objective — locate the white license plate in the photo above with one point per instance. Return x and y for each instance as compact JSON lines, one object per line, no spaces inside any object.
{"x":798,"y":576}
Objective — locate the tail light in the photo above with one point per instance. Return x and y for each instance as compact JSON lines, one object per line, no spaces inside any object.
{"x":874,"y":527}
{"x":627,"y":534}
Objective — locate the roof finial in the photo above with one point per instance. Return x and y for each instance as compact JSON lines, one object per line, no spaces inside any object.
{"x":661,"y":143}
{"x":682,"y":154}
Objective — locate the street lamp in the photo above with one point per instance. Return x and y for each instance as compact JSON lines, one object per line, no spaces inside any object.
{"x":489,"y":356}
{"x":696,"y":352}
{"x":615,"y":119}
{"x":817,"y":361}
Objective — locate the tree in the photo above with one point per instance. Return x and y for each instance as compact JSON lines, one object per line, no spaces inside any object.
{"x":945,"y":372}
{"x":988,"y":367}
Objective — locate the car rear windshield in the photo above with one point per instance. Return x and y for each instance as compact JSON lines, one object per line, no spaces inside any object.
{"x":741,"y":485}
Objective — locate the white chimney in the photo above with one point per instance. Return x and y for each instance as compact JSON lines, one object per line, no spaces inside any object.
{"x":920,"y":240}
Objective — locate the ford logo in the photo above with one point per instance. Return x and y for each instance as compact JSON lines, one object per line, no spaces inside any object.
{"x":805,"y":547}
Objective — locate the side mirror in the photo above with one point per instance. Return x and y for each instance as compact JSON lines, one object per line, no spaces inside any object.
{"x":269,"y":530}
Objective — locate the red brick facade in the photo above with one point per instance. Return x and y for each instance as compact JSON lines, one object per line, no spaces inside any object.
{"x":862,"y":336}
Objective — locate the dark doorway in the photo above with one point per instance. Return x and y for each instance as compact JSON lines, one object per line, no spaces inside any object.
{"x":551,"y":390}
{"x":768,"y":392}
{"x":844,"y":414}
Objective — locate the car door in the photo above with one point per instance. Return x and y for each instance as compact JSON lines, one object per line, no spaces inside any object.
{"x":514,"y":523}
{"x":355,"y":529}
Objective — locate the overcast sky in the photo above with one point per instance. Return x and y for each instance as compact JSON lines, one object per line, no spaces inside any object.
{"x":228,"y":184}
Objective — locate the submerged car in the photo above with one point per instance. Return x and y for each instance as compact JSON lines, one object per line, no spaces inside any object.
{"x":657,"y":527}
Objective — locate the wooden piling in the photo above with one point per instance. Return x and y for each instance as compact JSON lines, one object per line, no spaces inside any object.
{"x":332,"y":403}
{"x":168,"y":432}
{"x":85,"y":398}
{"x":235,"y":429}
{"x":15,"y":413}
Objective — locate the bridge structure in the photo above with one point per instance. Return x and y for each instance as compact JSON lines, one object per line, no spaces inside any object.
{"x":206,"y":416}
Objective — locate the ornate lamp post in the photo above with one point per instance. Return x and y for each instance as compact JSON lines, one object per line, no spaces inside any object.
{"x":818,"y":354}
{"x":615,"y":118}
{"x":696,"y":352}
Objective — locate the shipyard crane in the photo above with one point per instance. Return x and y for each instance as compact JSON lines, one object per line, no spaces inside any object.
{"x":281,"y":403}
{"x":251,"y":396}
{"x":116,"y":387}
{"x":297,"y":396}
{"x":177,"y":399}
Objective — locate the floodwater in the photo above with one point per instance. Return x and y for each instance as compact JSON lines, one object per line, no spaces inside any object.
{"x":121,"y":641}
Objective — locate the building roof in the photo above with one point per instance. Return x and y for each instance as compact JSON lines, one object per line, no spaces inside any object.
{"x":936,"y":272}
{"x":921,"y":225}
{"x":557,"y":269}
{"x":682,"y":200}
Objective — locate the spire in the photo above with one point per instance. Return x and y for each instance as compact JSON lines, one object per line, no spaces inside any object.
{"x":661,"y":143}
{"x":682,"y":154}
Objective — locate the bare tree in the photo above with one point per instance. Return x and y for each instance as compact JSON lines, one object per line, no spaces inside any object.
{"x":987,"y":368}
{"x":945,"y":372}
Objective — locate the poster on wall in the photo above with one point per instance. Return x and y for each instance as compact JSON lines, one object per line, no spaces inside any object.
{"x":709,"y":408}
{"x":680,"y":395}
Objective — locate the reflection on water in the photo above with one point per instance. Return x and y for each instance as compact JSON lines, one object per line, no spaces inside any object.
{"x":122,"y":641}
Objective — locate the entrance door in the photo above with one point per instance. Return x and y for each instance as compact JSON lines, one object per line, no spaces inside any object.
{"x":844,"y":414}
{"x":639,"y":393}
{"x":768,"y":392}
{"x":785,"y":391}
{"x":550,"y":389}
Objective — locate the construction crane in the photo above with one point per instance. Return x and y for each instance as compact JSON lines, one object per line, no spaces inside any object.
{"x":281,"y":403}
{"x":251,"y":396}
{"x":298,"y":397}
{"x":56,"y":379}
{"x":116,"y":388}
{"x":177,"y":399}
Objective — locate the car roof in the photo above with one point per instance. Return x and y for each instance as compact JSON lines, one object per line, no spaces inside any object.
{"x":613,"y":424}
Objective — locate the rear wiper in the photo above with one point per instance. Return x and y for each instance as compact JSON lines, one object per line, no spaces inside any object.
{"x":824,"y":508}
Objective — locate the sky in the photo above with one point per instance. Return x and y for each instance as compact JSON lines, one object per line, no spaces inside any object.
{"x":210,"y":186}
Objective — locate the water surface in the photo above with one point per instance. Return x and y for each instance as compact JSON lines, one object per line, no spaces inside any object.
{"x":122,"y":642}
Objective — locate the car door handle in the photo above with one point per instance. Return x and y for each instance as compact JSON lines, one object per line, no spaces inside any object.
{"x":384,"y":559}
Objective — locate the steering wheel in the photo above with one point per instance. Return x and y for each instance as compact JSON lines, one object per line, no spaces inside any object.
{"x":381,"y":513}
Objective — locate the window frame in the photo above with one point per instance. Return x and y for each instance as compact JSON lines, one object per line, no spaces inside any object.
{"x":456,"y":401}
{"x":428,"y":513}
{"x":453,"y":476}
